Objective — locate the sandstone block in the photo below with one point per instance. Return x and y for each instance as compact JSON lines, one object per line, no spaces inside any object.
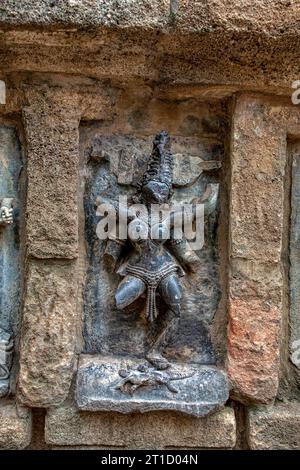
{"x":15,"y":426}
{"x":254,"y":330}
{"x":274,"y":427}
{"x":48,"y":333}
{"x":66,"y":426}
{"x":257,"y":211}
{"x":137,"y":13}
{"x":51,"y":127}
{"x":230,"y":56}
{"x":188,"y":15}
{"x":244,"y":15}
{"x":258,"y":156}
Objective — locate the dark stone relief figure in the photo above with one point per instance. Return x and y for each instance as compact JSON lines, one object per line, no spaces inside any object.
{"x":153,"y":264}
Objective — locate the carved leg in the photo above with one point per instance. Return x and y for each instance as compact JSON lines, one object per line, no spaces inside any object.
{"x":171,"y":291}
{"x":129,"y":290}
{"x":127,"y":387}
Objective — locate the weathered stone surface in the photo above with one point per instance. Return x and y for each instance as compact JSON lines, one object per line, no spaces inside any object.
{"x":295,"y":259}
{"x":48,"y":333}
{"x":52,"y":136}
{"x":66,"y":426}
{"x":137,"y":13}
{"x":2,"y":92}
{"x":258,"y":161}
{"x":128,"y":158}
{"x":269,"y":16}
{"x":187,"y":168}
{"x":15,"y":426}
{"x":242,"y":42}
{"x":274,"y":427}
{"x":243,"y":15}
{"x":254,"y":330}
{"x":190,"y":388}
{"x":255,"y":289}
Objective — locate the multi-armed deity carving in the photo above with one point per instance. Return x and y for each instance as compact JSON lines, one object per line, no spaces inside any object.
{"x":153,"y":241}
{"x":6,"y":341}
{"x":157,"y":250}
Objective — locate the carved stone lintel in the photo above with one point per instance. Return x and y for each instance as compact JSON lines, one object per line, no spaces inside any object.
{"x":6,"y":355}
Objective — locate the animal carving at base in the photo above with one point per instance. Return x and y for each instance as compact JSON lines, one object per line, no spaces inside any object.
{"x":144,"y":376}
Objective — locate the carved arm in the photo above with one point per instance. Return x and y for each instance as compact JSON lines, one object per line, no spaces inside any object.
{"x":209,"y":199}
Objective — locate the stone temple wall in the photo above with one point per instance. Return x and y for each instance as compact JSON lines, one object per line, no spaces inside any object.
{"x":87,"y":86}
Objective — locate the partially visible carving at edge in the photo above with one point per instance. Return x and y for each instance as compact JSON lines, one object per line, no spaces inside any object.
{"x":6,"y":212}
{"x":6,"y":341}
{"x":6,"y":354}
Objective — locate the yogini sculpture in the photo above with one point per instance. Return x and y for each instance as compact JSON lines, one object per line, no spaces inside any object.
{"x":6,"y":341}
{"x":153,"y":259}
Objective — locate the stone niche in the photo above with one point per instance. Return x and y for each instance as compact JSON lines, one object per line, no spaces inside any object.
{"x":10,"y":282}
{"x":238,"y":333}
{"x":15,"y":419}
{"x":113,"y":160}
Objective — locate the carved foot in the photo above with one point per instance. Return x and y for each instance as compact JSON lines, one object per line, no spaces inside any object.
{"x":157,"y":360}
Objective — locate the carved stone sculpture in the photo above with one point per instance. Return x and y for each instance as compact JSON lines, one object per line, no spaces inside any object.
{"x":6,"y":354}
{"x":6,"y":342}
{"x":144,"y":376}
{"x":152,"y":368}
{"x":156,"y":260}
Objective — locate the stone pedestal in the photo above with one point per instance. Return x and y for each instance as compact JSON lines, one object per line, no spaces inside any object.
{"x":126,"y":385}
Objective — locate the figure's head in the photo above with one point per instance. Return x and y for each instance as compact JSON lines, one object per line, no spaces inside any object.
{"x":157,"y":180}
{"x":156,"y":192}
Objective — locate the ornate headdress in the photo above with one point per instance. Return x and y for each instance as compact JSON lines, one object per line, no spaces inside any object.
{"x":160,"y":165}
